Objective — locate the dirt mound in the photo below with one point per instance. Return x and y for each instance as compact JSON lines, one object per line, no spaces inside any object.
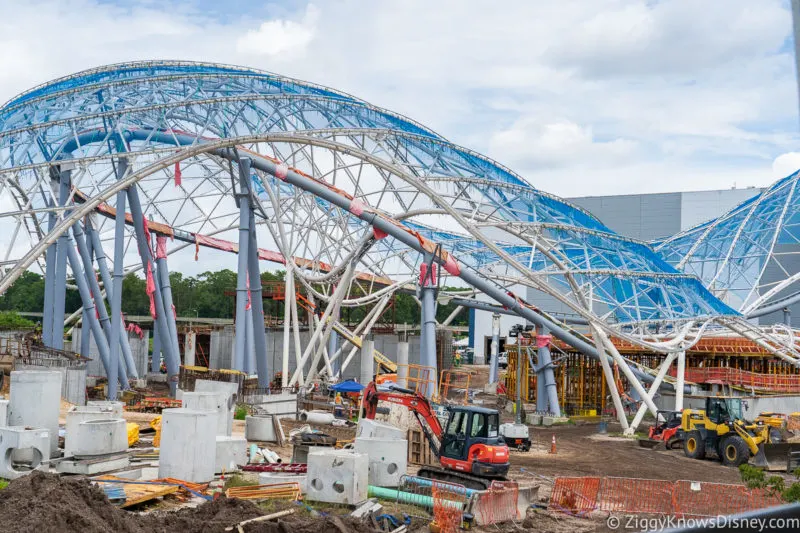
{"x":47,"y":503}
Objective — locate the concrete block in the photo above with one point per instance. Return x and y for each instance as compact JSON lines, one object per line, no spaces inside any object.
{"x":91,"y":467}
{"x":100,"y":437}
{"x":270,"y":478}
{"x":35,"y":402}
{"x":217,"y":402}
{"x":260,"y":428}
{"x":3,"y":413}
{"x":188,"y":445}
{"x":231,"y":453}
{"x":338,"y":476}
{"x":388,"y":459}
{"x":548,"y":420}
{"x":116,"y":408}
{"x":22,"y":450}
{"x":372,"y":429}
{"x":534,"y":419}
{"x":78,"y":414}
{"x":208,"y":385}
{"x":156,"y":377}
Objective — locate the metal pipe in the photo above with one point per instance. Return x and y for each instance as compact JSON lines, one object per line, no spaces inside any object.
{"x":287,"y":325}
{"x":88,"y":304}
{"x":494,"y":363}
{"x":108,"y":283}
{"x":612,"y":385}
{"x":166,"y":293}
{"x":99,"y":302}
{"x":428,"y":330}
{"x":249,"y":346}
{"x":545,"y":371}
{"x":117,"y":325}
{"x":240,"y":347}
{"x":155,"y":363}
{"x":49,"y":285}
{"x":172,"y":359}
{"x":60,"y":281}
{"x":256,"y":301}
{"x":86,"y":331}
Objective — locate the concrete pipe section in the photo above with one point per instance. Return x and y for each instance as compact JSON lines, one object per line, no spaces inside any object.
{"x":188,"y":445}
{"x":35,"y":402}
{"x":100,"y":437}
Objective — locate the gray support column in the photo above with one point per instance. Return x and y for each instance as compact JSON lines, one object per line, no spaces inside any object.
{"x":545,"y":371}
{"x":93,"y":238}
{"x":256,"y":301}
{"x":333,"y":345}
{"x":86,"y":331}
{"x":518,"y":409}
{"x":166,"y":293}
{"x":494,"y":363}
{"x":240,"y":350}
{"x":189,"y":347}
{"x":367,"y":361}
{"x":787,"y":316}
{"x":99,"y":302}
{"x":172,"y":359}
{"x":679,"y":382}
{"x":402,"y":361}
{"x":88,"y":304}
{"x":249,"y":346}
{"x":49,"y":285}
{"x":155,"y":363}
{"x":117,"y":326}
{"x":428,"y":330}
{"x":60,"y":281}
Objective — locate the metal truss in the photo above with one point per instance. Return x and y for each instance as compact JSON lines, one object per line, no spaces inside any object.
{"x":191,"y":120}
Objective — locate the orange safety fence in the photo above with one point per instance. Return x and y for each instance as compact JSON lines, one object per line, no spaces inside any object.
{"x":448,"y":505}
{"x":650,"y":496}
{"x":627,"y":495}
{"x":743,"y":378}
{"x":575,"y":495}
{"x":454,"y":387}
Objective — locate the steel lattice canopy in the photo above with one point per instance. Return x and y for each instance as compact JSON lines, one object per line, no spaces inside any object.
{"x":490,"y":218}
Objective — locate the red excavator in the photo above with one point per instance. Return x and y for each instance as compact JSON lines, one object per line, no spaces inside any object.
{"x":471,"y":451}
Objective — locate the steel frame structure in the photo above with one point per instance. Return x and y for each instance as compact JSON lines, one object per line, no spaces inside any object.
{"x":342,"y":193}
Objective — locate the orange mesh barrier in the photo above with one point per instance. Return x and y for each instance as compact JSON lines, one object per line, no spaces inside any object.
{"x":743,"y":378}
{"x":695,"y":499}
{"x":448,"y":505}
{"x":628,"y":495}
{"x":649,"y":496}
{"x":575,"y":494}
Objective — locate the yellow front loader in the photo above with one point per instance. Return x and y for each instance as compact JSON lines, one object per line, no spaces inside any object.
{"x":722,"y":429}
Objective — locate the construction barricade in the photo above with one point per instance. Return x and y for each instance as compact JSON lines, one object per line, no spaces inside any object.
{"x":448,"y":505}
{"x":690,"y":499}
{"x":496,"y":504}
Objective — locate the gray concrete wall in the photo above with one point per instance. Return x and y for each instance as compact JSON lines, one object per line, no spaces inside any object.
{"x":140,"y":349}
{"x":73,"y":381}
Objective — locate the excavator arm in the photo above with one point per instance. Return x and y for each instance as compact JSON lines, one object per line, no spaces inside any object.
{"x":414,"y":402}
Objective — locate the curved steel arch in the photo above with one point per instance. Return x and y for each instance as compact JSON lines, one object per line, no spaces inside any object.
{"x":507,"y":232}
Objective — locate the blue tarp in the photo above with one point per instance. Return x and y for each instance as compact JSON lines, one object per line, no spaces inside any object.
{"x":348,"y":386}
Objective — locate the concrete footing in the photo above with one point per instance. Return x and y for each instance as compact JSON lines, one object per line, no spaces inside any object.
{"x":22,"y":450}
{"x":100,"y":437}
{"x":3,"y":413}
{"x":91,"y":467}
{"x":338,"y":476}
{"x":388,"y":459}
{"x":260,"y":428}
{"x":231,"y":453}
{"x":78,"y":414}
{"x":35,"y":402}
{"x":188,"y":445}
{"x":212,"y":401}
{"x":372,"y":429}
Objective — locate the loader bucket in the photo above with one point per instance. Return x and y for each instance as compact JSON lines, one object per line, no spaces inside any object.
{"x":649,"y":443}
{"x":772,"y":457}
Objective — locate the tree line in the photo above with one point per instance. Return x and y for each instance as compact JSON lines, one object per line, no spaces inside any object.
{"x":207,"y":295}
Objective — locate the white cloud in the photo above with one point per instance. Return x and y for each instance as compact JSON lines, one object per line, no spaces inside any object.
{"x":600,"y":97}
{"x":280,"y":36}
{"x":785,"y":164}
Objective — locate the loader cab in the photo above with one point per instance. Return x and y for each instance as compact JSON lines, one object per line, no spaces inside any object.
{"x":721,"y":410}
{"x":467,"y":426}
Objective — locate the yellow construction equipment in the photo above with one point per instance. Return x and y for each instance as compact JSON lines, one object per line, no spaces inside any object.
{"x":721,"y":429}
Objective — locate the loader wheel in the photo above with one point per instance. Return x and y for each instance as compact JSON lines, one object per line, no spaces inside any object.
{"x":694,"y":446}
{"x":734,"y":451}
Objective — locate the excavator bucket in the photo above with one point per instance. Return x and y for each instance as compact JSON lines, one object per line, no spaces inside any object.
{"x":773,"y":457}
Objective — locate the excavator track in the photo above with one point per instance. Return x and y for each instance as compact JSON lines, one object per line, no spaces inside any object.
{"x":460,"y":478}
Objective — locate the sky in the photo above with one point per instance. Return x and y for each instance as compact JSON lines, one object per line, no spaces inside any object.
{"x":580,"y":97}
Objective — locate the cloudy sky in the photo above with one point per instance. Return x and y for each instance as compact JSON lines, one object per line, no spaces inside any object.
{"x":579,"y":96}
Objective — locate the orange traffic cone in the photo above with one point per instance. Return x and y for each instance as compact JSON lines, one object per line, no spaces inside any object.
{"x":553,"y":445}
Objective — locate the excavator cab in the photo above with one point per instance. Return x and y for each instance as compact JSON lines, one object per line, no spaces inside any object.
{"x":472,"y":443}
